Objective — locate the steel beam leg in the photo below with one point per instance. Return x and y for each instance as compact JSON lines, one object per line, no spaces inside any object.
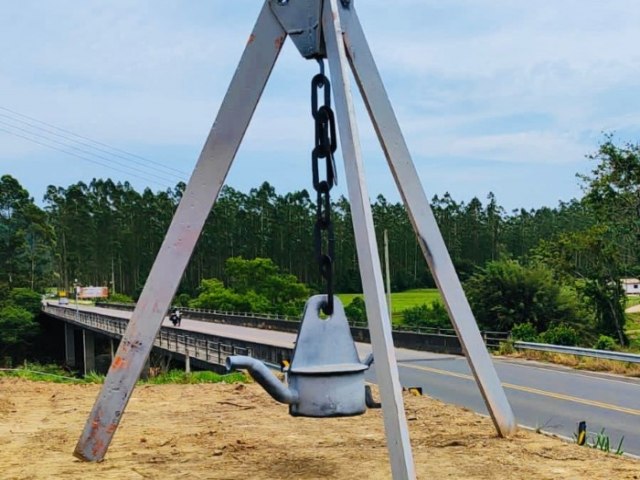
{"x":69,"y":344}
{"x":395,"y":421}
{"x":89,"y":351}
{"x":424,"y":223}
{"x":214,"y":162}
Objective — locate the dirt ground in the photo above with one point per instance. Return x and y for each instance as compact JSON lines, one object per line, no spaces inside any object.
{"x":237,"y":432}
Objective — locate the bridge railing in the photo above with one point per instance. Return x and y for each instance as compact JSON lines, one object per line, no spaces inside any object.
{"x":196,"y":345}
{"x":491,"y":339}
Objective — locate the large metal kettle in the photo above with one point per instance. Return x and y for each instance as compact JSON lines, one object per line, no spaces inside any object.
{"x":326,"y":377}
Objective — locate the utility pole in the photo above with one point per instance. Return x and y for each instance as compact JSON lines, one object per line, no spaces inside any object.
{"x":75,"y":289}
{"x":387,"y":275}
{"x":113,"y":278}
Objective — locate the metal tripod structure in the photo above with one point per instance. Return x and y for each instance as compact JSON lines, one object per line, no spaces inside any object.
{"x":319,"y":28}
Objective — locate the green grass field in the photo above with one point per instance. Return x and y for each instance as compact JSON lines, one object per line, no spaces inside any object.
{"x":632,"y":328}
{"x":632,"y":300}
{"x":400,"y":300}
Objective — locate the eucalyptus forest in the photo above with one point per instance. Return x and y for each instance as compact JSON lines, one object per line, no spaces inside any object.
{"x":550,"y":269}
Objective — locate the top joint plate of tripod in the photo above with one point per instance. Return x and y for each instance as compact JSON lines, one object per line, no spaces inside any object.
{"x":302,"y":20}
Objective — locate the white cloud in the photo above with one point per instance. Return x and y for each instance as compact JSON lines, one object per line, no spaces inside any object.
{"x":495,"y":82}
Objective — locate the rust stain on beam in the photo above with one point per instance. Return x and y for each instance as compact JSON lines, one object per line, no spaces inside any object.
{"x":118,"y":363}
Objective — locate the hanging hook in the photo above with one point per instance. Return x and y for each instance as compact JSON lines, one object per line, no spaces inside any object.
{"x":321,"y":63}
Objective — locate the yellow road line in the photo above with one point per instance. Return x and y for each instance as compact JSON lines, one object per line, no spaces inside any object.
{"x":536,"y":391}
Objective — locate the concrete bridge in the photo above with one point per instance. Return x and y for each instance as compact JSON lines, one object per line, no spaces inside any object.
{"x":208,"y":337}
{"x":191,"y":345}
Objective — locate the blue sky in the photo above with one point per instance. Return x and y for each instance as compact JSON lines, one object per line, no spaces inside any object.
{"x":492,"y":95}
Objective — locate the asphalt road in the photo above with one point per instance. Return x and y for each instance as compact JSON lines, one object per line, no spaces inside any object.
{"x":545,"y":397}
{"x":551,"y":398}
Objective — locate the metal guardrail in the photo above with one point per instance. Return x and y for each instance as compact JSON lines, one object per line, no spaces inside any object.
{"x":491,"y":339}
{"x":267,"y":316}
{"x":585,"y":352}
{"x":195,"y":345}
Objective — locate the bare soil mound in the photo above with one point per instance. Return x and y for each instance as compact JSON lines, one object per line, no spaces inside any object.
{"x":237,"y":432}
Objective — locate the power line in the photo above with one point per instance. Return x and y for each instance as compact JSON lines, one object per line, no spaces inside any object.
{"x":82,"y":157}
{"x":88,"y":152}
{"x":49,"y":132}
{"x":129,"y":156}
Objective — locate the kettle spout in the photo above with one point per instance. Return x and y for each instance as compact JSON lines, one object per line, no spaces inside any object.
{"x":265,"y":377}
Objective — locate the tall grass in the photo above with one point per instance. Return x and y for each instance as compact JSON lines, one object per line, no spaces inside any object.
{"x":181,"y":377}
{"x":42,"y":373}
{"x":56,"y":374}
{"x":583,"y":363}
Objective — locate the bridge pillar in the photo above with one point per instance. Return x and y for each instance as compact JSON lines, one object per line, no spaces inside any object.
{"x":112,"y":348}
{"x":187,"y":363}
{"x":146,"y":370}
{"x":69,"y":345}
{"x":89,"y":351}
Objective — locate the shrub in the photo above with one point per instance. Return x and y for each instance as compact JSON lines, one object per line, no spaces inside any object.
{"x":506,"y":348}
{"x":183,"y":299}
{"x":560,"y":335}
{"x":17,"y":331}
{"x":120,"y":298}
{"x":605,"y":343}
{"x":434,"y":316}
{"x":415,"y":315}
{"x":524,"y":332}
{"x":356,"y":311}
{"x":16,"y":327}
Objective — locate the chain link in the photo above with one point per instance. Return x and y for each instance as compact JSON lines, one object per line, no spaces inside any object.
{"x":325,"y":147}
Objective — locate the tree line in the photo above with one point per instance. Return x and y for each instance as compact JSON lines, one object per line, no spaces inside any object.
{"x":107,"y":233}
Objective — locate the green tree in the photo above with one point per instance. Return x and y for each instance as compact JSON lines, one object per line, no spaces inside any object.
{"x":613,"y":193}
{"x":609,"y":250}
{"x":26,"y":299}
{"x":25,"y":238}
{"x":253,"y":286}
{"x":17,"y":328}
{"x":591,"y":260}
{"x":215,"y":296}
{"x":262,"y":276}
{"x":505,"y":293}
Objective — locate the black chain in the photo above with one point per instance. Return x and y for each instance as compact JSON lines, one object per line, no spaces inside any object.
{"x":325,"y":147}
